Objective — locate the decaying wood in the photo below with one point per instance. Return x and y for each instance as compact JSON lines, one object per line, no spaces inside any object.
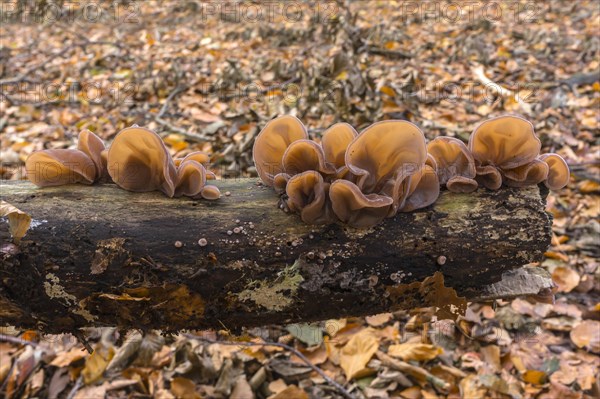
{"x":104,"y":256}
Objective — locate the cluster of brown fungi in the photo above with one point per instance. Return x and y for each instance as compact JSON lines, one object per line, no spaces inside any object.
{"x":137,"y":161}
{"x":360,"y":179}
{"x":357,"y":179}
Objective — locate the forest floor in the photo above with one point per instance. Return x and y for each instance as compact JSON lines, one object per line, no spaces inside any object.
{"x":207,"y":76}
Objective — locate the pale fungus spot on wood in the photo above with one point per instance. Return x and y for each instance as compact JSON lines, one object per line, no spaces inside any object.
{"x":178,"y":244}
{"x":441,"y":260}
{"x":276,"y":295}
{"x":54,"y":290}
{"x":202,"y":242}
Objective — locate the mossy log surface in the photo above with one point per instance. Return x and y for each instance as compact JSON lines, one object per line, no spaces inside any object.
{"x":99,"y":255}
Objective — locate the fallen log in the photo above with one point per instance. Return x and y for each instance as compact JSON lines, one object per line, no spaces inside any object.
{"x":99,"y":255}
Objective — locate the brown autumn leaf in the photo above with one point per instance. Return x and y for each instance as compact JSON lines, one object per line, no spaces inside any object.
{"x":587,"y":335}
{"x":97,"y":363}
{"x":378,"y":319}
{"x":355,"y":355}
{"x":566,"y":278}
{"x":414,"y":351}
{"x":184,"y":388}
{"x":18,"y":221}
{"x":291,"y":392}
{"x":63,"y":359}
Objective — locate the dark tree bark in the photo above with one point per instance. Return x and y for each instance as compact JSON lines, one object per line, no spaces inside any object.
{"x":104,"y":256}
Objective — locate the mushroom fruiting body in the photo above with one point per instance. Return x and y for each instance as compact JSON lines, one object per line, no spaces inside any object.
{"x":356,"y":209}
{"x":455,"y":164}
{"x":191,"y":179}
{"x":94,"y":148}
{"x":358,"y":179}
{"x":308,"y":194}
{"x":506,"y":150}
{"x":558,"y":171}
{"x":272,"y":142}
{"x":506,"y":142}
{"x":334,"y":141}
{"x":384,"y":151}
{"x":139,"y":161}
{"x":56,"y":167}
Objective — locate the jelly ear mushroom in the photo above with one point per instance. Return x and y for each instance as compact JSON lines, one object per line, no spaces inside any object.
{"x":280,"y":182}
{"x":304,"y":155}
{"x":93,"y":146}
{"x":529,"y":174}
{"x":424,"y":189}
{"x":335,"y":141}
{"x":191,"y":178}
{"x":57,"y":167}
{"x":489,"y":177}
{"x":199,"y":156}
{"x":356,"y":209}
{"x":307,"y":194}
{"x":383,"y":150}
{"x":455,"y":164}
{"x":558,"y":173}
{"x":139,"y":161}
{"x":272,"y":142}
{"x":210,"y":192}
{"x":505,"y":142}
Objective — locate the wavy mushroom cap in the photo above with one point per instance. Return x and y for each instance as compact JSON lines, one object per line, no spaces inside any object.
{"x":558,"y":173}
{"x":272,"y":142}
{"x":280,"y":182}
{"x":335,"y":141}
{"x":431,"y":162}
{"x":198,"y":156}
{"x":139,"y":161}
{"x":210,"y":192}
{"x":93,"y":147}
{"x":424,"y":190}
{"x":304,"y":155}
{"x":356,"y":209}
{"x":461,"y":184}
{"x":489,"y":176}
{"x":307,"y":194}
{"x":506,"y":142}
{"x":529,"y":174}
{"x":191,"y":178}
{"x":383,"y":150}
{"x":452,"y":158}
{"x":57,"y":167}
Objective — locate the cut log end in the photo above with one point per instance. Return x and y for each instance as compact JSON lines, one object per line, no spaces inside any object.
{"x":102,"y":256}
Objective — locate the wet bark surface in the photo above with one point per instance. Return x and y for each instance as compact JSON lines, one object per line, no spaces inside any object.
{"x":104,"y":256}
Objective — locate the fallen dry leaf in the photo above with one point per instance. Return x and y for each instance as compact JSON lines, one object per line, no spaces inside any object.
{"x":18,"y":221}
{"x":355,"y":355}
{"x":587,"y":335}
{"x":184,"y":388}
{"x":97,"y":363}
{"x":291,"y":392}
{"x":414,"y":351}
{"x":378,"y":319}
{"x":566,"y":278}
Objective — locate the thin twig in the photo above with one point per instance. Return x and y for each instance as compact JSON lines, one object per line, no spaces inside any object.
{"x":76,"y":387}
{"x":81,"y":338}
{"x":34,"y":68}
{"x":415,"y":371}
{"x":299,"y":354}
{"x":17,"y":340}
